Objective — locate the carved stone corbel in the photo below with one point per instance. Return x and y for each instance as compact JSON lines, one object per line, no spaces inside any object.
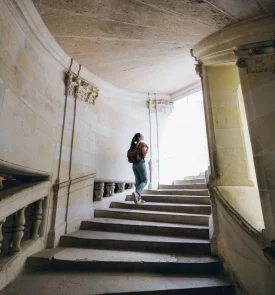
{"x":165,"y":106}
{"x":198,"y":69}
{"x":81,"y":89}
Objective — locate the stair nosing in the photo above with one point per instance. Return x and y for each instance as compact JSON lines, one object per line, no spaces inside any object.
{"x":153,"y":212}
{"x":155,"y":223}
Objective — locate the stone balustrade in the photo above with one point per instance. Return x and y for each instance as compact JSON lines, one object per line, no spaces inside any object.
{"x":21,"y":217}
{"x":25,"y":224}
{"x":107,"y":188}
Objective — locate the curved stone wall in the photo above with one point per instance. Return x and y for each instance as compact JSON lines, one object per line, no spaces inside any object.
{"x":47,"y":130}
{"x":32,"y":105}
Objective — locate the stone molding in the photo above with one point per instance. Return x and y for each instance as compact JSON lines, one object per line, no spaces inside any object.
{"x":186,"y":91}
{"x":218,"y":47}
{"x":64,"y":183}
{"x":81,"y":89}
{"x":165,"y":106}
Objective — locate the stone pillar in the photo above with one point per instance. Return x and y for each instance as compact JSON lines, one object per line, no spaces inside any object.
{"x":256,"y":70}
{"x":110,"y":189}
{"x":17,"y":232}
{"x":37,"y":218}
{"x":227,"y":152}
{"x":121,"y":187}
{"x":98,"y":191}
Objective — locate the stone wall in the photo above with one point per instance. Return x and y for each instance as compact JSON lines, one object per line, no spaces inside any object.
{"x":43,"y":131}
{"x":243,"y":257}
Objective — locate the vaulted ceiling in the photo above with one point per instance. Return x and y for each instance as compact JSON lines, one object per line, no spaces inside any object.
{"x":142,"y":45}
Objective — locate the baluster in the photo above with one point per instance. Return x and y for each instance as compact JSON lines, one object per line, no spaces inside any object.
{"x":98,"y":191}
{"x":110,"y":189}
{"x":131,"y":186}
{"x":1,"y":233}
{"x":37,"y":218}
{"x":121,"y":187}
{"x":17,"y":232}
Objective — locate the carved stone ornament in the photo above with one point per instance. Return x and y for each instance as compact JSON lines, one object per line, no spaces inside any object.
{"x":80,"y":89}
{"x":198,"y":69}
{"x":163,"y":106}
{"x":241,"y":62}
{"x":256,"y":61}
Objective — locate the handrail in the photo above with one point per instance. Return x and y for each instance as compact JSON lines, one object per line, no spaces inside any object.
{"x":23,"y":196}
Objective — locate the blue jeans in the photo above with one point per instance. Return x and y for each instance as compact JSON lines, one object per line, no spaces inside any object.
{"x":140,"y":175}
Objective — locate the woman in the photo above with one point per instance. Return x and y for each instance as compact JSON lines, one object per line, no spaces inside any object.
{"x":139,"y":168}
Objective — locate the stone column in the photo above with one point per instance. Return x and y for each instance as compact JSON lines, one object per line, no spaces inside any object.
{"x":256,"y":70}
{"x":227,"y":151}
{"x":37,"y":218}
{"x":110,"y":189}
{"x":98,"y":191}
{"x":121,"y":187}
{"x":17,"y":231}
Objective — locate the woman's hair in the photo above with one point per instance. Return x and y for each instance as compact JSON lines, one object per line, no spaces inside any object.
{"x":135,"y":140}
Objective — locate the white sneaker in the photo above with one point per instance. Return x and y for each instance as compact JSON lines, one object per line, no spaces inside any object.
{"x":140,"y":201}
{"x":135,"y":197}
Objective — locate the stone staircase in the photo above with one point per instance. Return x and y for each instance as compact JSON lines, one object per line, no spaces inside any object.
{"x":160,"y":247}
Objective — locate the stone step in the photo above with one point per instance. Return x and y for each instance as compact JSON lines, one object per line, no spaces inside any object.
{"x":121,"y":241}
{"x":164,"y":207}
{"x":116,"y":260}
{"x":146,"y":227}
{"x":200,"y":200}
{"x":189,"y":181}
{"x":122,"y":283}
{"x":153,"y":216}
{"x":183,"y":186}
{"x":186,"y":192}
